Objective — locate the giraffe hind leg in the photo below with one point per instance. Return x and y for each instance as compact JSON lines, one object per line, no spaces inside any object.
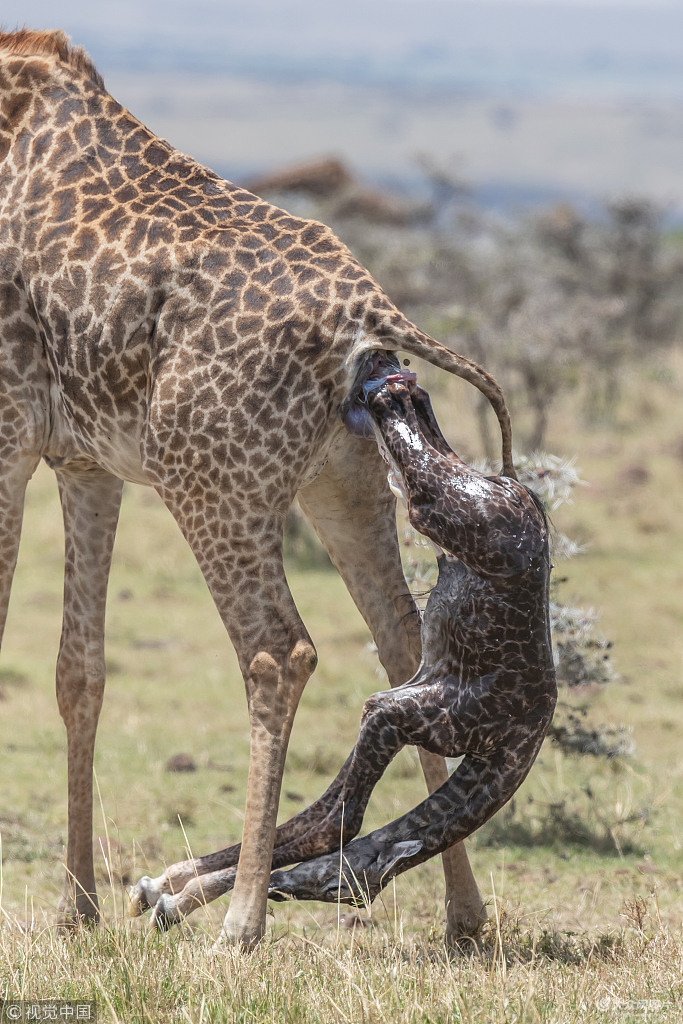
{"x":15,"y":472}
{"x":353,"y":511}
{"x":240,"y":555}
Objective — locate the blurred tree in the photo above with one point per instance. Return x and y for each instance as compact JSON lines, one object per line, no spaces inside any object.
{"x":546,"y":302}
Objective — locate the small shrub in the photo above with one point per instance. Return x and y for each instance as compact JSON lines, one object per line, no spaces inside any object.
{"x":575,"y":821}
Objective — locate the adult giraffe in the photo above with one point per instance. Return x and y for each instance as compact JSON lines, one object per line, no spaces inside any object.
{"x":162,"y":326}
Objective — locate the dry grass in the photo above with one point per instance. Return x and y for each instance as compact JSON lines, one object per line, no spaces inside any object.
{"x":364,"y":976}
{"x":574,"y":864}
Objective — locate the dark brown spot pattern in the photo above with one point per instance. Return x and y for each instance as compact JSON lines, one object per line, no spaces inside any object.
{"x":485,"y":689}
{"x":163,"y":326}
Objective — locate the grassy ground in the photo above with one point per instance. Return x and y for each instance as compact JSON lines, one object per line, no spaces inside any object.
{"x":585,"y":867}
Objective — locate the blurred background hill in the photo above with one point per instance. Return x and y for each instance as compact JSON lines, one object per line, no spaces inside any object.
{"x":531,"y":101}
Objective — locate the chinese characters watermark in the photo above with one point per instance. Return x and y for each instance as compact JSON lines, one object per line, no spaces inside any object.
{"x":65,"y":1010}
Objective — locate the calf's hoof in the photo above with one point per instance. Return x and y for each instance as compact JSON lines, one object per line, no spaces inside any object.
{"x":143,"y":896}
{"x":165,"y":913}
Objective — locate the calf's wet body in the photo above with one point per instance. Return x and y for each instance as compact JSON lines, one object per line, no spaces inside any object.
{"x":485,"y":689}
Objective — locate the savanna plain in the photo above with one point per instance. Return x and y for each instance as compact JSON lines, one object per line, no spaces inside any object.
{"x":583,"y":872}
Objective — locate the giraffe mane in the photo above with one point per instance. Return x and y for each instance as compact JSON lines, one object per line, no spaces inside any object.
{"x":26,"y":42}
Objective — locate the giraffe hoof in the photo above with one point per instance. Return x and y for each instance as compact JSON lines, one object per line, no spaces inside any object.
{"x":461,"y":932}
{"x":165,"y":913}
{"x":69,"y":920}
{"x":78,"y":911}
{"x":142,"y":896}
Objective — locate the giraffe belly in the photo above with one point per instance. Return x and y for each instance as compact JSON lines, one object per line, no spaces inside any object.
{"x":119,"y":454}
{"x":115,"y":446}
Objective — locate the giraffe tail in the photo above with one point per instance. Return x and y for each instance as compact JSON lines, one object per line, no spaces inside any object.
{"x":405,"y":336}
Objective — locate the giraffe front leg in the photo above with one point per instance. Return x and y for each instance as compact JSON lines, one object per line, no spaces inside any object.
{"x":172,"y":908}
{"x":425,"y":711}
{"x":90,"y":504}
{"x":500,"y":736}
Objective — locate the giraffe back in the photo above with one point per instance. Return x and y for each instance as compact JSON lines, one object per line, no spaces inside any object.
{"x":137,"y":275}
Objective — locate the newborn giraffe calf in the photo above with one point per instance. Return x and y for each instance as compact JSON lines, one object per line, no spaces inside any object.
{"x":485,"y":690}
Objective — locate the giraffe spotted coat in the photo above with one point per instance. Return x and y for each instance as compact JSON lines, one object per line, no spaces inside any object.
{"x":163,"y":326}
{"x":485,"y":689}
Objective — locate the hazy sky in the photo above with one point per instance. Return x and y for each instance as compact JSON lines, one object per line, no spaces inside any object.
{"x":617,"y":48}
{"x":506,"y":88}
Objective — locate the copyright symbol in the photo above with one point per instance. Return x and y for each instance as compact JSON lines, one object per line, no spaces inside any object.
{"x":14,"y":1012}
